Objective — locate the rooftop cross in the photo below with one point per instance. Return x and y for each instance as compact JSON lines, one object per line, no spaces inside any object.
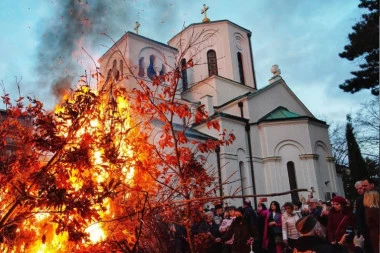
{"x":137,"y":27}
{"x":203,"y":11}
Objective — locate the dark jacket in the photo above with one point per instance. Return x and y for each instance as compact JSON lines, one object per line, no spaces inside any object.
{"x":250,"y":218}
{"x":360,"y":216}
{"x":209,"y":231}
{"x":241,"y":232}
{"x":337,"y":223}
{"x":318,"y":245}
{"x":372,"y":221}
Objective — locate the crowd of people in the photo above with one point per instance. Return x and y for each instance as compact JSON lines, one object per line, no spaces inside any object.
{"x":310,"y":225}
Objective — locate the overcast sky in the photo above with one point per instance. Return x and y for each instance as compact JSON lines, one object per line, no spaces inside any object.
{"x":40,"y":41}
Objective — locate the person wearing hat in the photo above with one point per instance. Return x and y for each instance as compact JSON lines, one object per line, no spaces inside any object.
{"x":313,"y":238}
{"x":339,"y":218}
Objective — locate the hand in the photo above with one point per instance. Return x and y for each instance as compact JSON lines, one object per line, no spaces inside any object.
{"x":359,"y":241}
{"x":250,"y":241}
{"x":218,"y":239}
{"x":285,"y":243}
{"x":272,"y":223}
{"x":325,"y":212}
{"x":343,"y":239}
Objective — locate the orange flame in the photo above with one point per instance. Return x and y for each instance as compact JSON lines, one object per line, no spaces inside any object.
{"x":48,"y":241}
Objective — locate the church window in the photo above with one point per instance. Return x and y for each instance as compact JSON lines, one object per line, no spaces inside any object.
{"x":241,"y":69}
{"x":121,"y":70}
{"x":243,"y":178}
{"x":162,"y":71}
{"x":292,"y":181}
{"x":184,"y":74}
{"x":212,"y":63}
{"x":141,"y":67}
{"x":151,"y":73}
{"x":115,"y":71}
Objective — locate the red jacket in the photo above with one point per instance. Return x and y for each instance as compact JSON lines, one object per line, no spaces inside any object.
{"x":337,"y":223}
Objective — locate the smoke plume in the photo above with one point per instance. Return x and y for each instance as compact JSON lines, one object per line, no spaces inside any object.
{"x":80,"y":23}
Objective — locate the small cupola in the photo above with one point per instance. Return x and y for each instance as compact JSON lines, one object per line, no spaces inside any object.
{"x":276,"y":74}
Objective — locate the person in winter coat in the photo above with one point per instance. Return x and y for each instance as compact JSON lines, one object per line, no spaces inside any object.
{"x":272,"y":234}
{"x":229,"y":217}
{"x":313,"y":239}
{"x":340,"y":217}
{"x":290,"y":233}
{"x":240,"y":230}
{"x":206,"y":229}
{"x":372,"y":213}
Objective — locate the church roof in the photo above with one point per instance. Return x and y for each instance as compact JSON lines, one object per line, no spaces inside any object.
{"x":189,"y":132}
{"x":249,"y":94}
{"x":192,"y":133}
{"x":137,"y":36}
{"x":280,"y":113}
{"x":211,"y":22}
{"x":154,"y":41}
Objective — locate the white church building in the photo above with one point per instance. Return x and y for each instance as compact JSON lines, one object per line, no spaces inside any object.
{"x":279,"y":144}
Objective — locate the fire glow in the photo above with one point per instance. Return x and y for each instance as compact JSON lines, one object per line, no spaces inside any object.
{"x":99,"y":124}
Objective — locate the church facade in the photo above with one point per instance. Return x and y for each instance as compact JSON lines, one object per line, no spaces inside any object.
{"x":279,"y":144}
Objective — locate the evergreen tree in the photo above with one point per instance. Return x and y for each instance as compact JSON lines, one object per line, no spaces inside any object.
{"x":364,"y":43}
{"x":357,"y":165}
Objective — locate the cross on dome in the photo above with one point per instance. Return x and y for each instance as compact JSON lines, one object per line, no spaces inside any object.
{"x":204,"y":12}
{"x":137,"y":27}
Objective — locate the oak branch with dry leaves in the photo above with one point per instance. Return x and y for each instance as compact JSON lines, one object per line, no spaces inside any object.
{"x":109,"y":170}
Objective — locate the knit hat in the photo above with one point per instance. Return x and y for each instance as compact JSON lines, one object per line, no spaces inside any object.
{"x":340,"y":200}
{"x":306,"y":224}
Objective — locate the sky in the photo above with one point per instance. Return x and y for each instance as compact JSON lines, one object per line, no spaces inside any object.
{"x":42,"y":40}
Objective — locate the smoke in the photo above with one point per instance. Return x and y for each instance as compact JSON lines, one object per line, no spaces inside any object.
{"x":80,"y":23}
{"x":61,"y":86}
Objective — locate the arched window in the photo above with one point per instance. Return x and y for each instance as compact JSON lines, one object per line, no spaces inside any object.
{"x":184,"y":74}
{"x":212,"y":63}
{"x":240,"y":66}
{"x":115,"y":71}
{"x":243,"y":178}
{"x":141,"y":67}
{"x":163,"y":70}
{"x":292,"y":180}
{"x":150,"y":71}
{"x":121,"y":70}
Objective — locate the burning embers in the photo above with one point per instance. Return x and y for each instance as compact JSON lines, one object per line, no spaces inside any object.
{"x":75,"y":198}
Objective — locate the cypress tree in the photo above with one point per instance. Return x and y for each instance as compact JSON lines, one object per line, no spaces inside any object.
{"x":356,"y":163}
